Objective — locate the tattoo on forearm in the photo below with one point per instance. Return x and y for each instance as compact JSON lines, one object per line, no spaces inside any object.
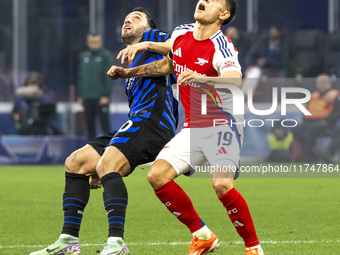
{"x":152,"y":69}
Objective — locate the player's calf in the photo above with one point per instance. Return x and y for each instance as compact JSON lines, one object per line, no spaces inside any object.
{"x":222,"y":185}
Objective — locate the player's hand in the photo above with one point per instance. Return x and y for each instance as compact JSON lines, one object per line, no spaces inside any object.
{"x":95,"y":182}
{"x":130,"y":52}
{"x":116,"y":72}
{"x":185,"y":77}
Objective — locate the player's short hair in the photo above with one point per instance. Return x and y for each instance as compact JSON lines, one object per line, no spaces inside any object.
{"x":151,"y":22}
{"x":232,"y":8}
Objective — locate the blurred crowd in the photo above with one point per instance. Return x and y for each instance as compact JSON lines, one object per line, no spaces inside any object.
{"x":32,"y":112}
{"x":305,"y":53}
{"x":270,"y":54}
{"x":317,"y":137}
{"x":266,"y":58}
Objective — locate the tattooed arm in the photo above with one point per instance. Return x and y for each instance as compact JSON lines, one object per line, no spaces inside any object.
{"x":153,"y":69}
{"x":130,"y":52}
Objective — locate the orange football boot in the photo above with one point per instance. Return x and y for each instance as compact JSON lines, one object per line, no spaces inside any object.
{"x":200,"y":247}
{"x":256,"y":250}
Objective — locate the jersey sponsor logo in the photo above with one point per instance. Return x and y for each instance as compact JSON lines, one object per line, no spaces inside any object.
{"x":80,"y":212}
{"x":201,"y":61}
{"x":228,"y":64}
{"x":222,"y":151}
{"x":180,"y":69}
{"x":178,"y":52}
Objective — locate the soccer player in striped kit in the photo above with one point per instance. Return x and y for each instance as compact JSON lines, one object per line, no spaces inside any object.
{"x":201,"y":50}
{"x":151,"y":124}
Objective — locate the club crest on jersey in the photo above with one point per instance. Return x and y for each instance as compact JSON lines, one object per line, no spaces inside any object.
{"x":201,"y":61}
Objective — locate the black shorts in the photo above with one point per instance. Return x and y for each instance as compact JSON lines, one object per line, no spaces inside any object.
{"x":140,"y":140}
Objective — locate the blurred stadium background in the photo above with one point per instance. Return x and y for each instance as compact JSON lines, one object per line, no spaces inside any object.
{"x":48,"y":36}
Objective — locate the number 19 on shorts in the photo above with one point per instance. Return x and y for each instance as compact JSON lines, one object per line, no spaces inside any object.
{"x":224,"y":138}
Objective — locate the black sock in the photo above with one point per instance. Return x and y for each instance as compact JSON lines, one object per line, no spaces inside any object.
{"x":76,"y":196}
{"x":115,"y":201}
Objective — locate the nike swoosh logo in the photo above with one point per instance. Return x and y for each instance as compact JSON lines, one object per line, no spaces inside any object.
{"x":48,"y":250}
{"x":108,"y":214}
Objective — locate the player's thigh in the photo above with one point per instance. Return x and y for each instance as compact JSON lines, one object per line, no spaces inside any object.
{"x":182,"y":153}
{"x":222,"y":146}
{"x":83,"y":161}
{"x":138,"y":142}
{"x":113,"y":160}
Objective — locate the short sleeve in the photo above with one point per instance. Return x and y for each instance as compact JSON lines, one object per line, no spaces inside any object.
{"x":180,"y":30}
{"x":226,"y":56}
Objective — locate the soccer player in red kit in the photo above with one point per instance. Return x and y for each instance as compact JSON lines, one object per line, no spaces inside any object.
{"x":201,"y":50}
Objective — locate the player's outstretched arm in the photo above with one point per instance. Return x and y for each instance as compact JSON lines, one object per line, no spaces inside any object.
{"x":116,"y":72}
{"x":228,"y":77}
{"x":234,"y":77}
{"x":130,"y":52}
{"x":156,"y":68}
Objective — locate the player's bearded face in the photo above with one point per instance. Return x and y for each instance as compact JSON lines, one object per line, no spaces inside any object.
{"x":209,"y":11}
{"x":135,"y":24}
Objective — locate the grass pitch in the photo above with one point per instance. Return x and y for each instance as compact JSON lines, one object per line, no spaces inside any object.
{"x":292,"y":216}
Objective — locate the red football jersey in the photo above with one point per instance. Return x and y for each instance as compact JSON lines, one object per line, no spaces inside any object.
{"x":210,"y":57}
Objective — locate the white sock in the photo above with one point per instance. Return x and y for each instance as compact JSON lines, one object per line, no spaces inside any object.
{"x":203,"y":233}
{"x":257,"y":246}
{"x":113,"y":239}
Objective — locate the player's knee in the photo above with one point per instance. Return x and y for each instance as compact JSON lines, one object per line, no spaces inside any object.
{"x":154,"y":178}
{"x":100,"y":169}
{"x":159,"y":175}
{"x":222,"y":185}
{"x":103,"y":167}
{"x":79,"y":163}
{"x":72,"y":163}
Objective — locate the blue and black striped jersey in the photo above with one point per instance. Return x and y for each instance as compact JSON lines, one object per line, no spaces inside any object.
{"x":152,"y":97}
